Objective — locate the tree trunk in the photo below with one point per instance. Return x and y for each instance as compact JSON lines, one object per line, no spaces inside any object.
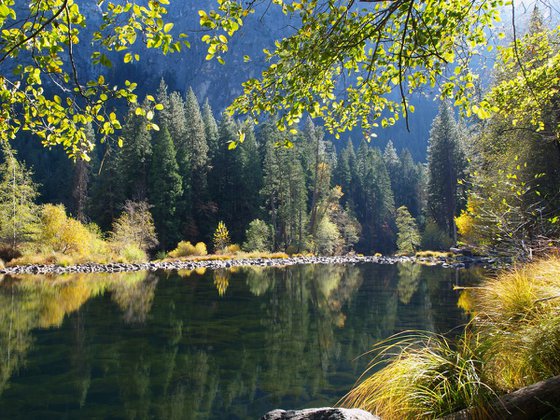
{"x":532,"y":402}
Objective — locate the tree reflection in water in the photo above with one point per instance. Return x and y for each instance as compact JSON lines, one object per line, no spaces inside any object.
{"x":220,"y":344}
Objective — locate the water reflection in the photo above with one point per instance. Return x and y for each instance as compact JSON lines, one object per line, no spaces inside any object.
{"x":216,"y":344}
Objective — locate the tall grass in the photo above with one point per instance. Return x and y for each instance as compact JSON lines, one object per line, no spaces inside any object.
{"x":425,"y":376}
{"x":512,"y":341}
{"x":518,"y":317}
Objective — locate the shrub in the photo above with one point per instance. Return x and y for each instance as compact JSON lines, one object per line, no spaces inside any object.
{"x":233,"y":249}
{"x":60,"y":233}
{"x":200,"y":249}
{"x":186,"y":249}
{"x":258,"y":236}
{"x":131,"y":253}
{"x":435,"y":238}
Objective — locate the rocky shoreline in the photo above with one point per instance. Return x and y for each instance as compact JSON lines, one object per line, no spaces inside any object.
{"x":51,"y":269}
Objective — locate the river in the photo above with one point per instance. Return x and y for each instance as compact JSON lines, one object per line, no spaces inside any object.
{"x":207,"y":344}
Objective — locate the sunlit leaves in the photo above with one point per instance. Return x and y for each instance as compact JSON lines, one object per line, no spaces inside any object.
{"x":44,"y":37}
{"x":376,"y":48}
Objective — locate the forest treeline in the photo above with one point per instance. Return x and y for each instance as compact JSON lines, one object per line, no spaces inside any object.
{"x":485,"y":185}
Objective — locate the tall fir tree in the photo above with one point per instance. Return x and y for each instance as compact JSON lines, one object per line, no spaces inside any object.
{"x":316,"y":161}
{"x":210,"y":128}
{"x":135,"y":157}
{"x":445,"y":168}
{"x":228,"y":177}
{"x":107,"y":189}
{"x":202,"y":207}
{"x":165,"y":188}
{"x":374,"y":201}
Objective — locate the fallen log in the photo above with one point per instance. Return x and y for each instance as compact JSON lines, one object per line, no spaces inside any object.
{"x":532,"y":402}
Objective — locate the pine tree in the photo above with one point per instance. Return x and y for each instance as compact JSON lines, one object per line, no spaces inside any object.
{"x":374,"y":201}
{"x":345,"y":174}
{"x":177,"y":120}
{"x":228,"y":178}
{"x":408,"y":237}
{"x":445,"y":168}
{"x":318,"y":167}
{"x":107,"y":195}
{"x":165,"y":188}
{"x":211,"y":129}
{"x":18,"y":212}
{"x":135,"y":157}
{"x":202,"y":207}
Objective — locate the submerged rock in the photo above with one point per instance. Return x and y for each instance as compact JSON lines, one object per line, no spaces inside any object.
{"x":325,"y":413}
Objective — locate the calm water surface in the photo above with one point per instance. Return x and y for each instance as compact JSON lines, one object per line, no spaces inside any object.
{"x":206,"y":345}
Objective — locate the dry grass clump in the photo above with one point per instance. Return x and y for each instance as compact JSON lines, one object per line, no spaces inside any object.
{"x":518,"y":317}
{"x":425,"y":376}
{"x":512,"y":341}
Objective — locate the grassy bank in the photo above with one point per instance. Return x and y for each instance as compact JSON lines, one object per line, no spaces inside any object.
{"x":512,"y":341}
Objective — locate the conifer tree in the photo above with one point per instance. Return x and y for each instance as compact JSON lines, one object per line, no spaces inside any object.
{"x":165,"y":188}
{"x":199,"y":165}
{"x":315,"y":158}
{"x":345,"y":173}
{"x":251,"y":176}
{"x":177,"y":119}
{"x":107,"y":195}
{"x":135,"y":157}
{"x":374,"y":201}
{"x":408,"y":237}
{"x":228,"y":178}
{"x":445,"y":167}
{"x":210,"y":128}
{"x":18,"y":212}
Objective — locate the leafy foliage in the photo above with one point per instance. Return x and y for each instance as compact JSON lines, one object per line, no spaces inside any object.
{"x":378,"y":48}
{"x":40,"y":37}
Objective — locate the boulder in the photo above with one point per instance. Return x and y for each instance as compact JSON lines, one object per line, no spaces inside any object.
{"x":325,"y":413}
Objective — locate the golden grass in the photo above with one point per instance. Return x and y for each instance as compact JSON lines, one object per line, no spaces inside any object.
{"x":425,"y":376}
{"x":512,"y":341}
{"x":518,"y":316}
{"x":433,"y":254}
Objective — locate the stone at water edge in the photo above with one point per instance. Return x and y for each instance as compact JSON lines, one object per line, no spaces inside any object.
{"x":325,"y":413}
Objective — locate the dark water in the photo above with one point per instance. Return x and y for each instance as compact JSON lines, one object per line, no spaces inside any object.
{"x":214,"y":345}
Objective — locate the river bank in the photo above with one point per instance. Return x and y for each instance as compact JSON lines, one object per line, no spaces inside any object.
{"x":457,"y":262}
